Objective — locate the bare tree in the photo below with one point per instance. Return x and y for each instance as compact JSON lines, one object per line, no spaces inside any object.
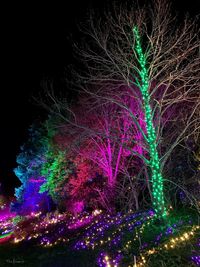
{"x":110,"y":140}
{"x":158,"y":60}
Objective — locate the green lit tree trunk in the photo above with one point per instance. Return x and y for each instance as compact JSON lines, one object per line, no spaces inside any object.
{"x":157,"y":179}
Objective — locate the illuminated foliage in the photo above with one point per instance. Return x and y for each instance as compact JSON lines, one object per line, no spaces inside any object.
{"x":106,"y":148}
{"x":30,"y":162}
{"x":31,"y":158}
{"x":55,"y":172}
{"x":85,"y":187}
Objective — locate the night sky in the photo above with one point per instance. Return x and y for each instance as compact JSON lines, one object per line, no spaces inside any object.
{"x":36,"y":47}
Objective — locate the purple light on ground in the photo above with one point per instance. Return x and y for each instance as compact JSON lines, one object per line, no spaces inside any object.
{"x":96,"y":232}
{"x":196,"y":260}
{"x":81,"y":223}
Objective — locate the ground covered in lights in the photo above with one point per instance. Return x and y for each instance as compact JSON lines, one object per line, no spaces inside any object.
{"x":99,"y":239}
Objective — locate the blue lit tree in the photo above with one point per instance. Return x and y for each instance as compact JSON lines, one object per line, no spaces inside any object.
{"x":30,"y":162}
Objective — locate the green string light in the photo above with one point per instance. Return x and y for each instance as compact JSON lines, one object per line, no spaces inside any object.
{"x":157,"y":179}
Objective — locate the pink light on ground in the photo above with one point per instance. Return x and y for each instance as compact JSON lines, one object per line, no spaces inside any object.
{"x":81,"y":223}
{"x":5,"y":214}
{"x":84,"y":221}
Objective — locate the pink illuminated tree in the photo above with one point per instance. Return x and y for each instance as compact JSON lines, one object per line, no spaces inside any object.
{"x":105,"y":136}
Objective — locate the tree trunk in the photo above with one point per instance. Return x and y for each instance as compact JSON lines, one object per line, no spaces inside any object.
{"x":157,"y":179}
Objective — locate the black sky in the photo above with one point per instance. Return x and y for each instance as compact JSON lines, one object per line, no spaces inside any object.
{"x":35,"y":48}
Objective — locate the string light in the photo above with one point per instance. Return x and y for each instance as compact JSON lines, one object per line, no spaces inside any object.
{"x":171,"y":244}
{"x":94,"y":233}
{"x":157,"y":179}
{"x":119,"y":233}
{"x":104,"y":260}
